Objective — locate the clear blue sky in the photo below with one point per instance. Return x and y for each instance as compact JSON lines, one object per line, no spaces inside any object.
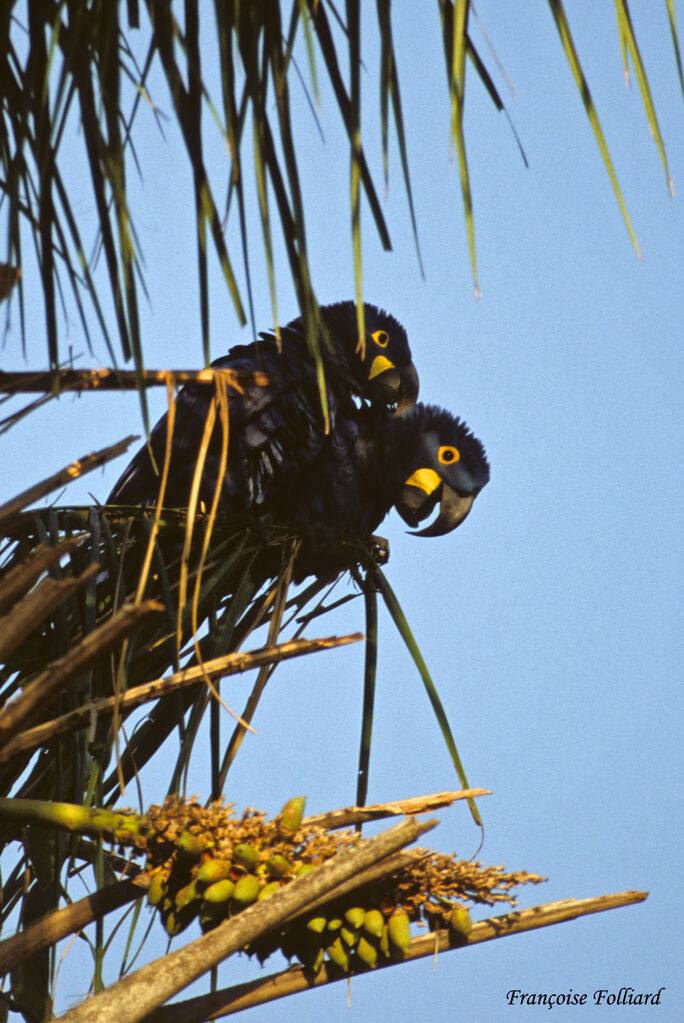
{"x":551,"y":620}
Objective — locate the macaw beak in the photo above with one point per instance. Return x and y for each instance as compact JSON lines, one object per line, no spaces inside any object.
{"x":420,"y":494}
{"x":393,"y":385}
{"x":453,"y":509}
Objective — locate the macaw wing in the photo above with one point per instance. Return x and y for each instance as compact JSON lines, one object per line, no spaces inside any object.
{"x":274,"y":429}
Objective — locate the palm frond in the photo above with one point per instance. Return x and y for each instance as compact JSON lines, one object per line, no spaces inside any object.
{"x":79,"y":59}
{"x":630,"y":47}
{"x":563,"y":27}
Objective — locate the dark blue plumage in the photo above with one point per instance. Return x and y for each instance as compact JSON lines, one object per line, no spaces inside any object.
{"x":382,"y":372}
{"x":413,"y":462}
{"x":276,"y":430}
{"x":283,"y":466}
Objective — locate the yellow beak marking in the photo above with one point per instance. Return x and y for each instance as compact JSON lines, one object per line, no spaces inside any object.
{"x":426,"y":479}
{"x":379,"y":365}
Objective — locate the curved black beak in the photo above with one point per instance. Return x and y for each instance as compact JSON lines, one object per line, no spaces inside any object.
{"x":453,"y":509}
{"x":393,"y":385}
{"x":414,"y":503}
{"x":408,"y":388}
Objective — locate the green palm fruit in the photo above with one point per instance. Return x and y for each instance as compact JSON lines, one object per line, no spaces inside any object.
{"x":155,"y":892}
{"x":460,"y":922}
{"x":291,"y":817}
{"x":278,"y":866}
{"x":355,"y":917}
{"x":213,"y":870}
{"x":219,"y":891}
{"x":304,"y":868}
{"x":337,"y":953}
{"x":399,"y":928}
{"x":316,"y":924}
{"x":349,"y":936}
{"x":172,"y":924}
{"x":246,"y":891}
{"x":367,"y":952}
{"x":194,"y":844}
{"x":245,"y":855}
{"x":185,"y":895}
{"x":268,"y":889}
{"x":374,"y":922}
{"x":177,"y":920}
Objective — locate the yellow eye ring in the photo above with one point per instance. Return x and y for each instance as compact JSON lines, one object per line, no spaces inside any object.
{"x":448,"y":454}
{"x":381,"y":338}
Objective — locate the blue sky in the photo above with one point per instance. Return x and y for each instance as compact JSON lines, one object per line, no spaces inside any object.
{"x":550,"y":620}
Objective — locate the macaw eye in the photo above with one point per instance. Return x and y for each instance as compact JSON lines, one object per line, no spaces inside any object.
{"x":448,"y":454}
{"x":381,"y":338}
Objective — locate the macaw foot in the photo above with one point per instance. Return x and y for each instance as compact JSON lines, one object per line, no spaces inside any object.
{"x":379,"y":549}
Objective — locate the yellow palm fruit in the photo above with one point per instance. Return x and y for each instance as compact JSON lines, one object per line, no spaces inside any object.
{"x":355,"y":917}
{"x":316,"y":924}
{"x":172,"y":924}
{"x":155,"y":892}
{"x":291,"y":816}
{"x":219,"y":891}
{"x":177,"y":920}
{"x":245,"y":855}
{"x":399,"y":927}
{"x":213,"y":870}
{"x":278,"y":866}
{"x":460,"y":922}
{"x":268,"y":889}
{"x":185,"y":895}
{"x":337,"y":953}
{"x":384,"y":940}
{"x":333,"y":925}
{"x":349,"y":936}
{"x":367,"y":952}
{"x":246,"y":891}
{"x":373,"y":923}
{"x":194,"y":844}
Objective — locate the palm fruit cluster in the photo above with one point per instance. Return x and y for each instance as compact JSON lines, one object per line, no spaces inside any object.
{"x":372,"y":924}
{"x":204,"y":863}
